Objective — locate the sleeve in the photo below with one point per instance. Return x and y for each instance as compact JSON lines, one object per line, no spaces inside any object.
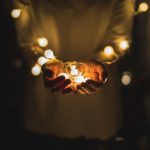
{"x":25,"y":33}
{"x":118,"y":36}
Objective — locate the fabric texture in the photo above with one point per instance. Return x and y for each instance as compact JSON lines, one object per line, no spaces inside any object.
{"x":76,"y":30}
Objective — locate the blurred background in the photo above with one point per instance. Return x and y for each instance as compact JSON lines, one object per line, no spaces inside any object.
{"x":134,"y":70}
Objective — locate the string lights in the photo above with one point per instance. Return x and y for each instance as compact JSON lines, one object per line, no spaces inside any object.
{"x":36,"y":70}
{"x":15,"y":13}
{"x":126,"y":78}
{"x":108,"y":50}
{"x":43,"y":42}
{"x":124,"y":45}
{"x":75,"y":75}
{"x":49,"y":54}
{"x":143,"y":7}
{"x":42,"y":60}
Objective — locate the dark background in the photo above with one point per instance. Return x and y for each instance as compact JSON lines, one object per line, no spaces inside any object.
{"x":135,"y":97}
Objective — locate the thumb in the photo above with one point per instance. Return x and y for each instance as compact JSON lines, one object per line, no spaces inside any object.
{"x":103,"y":76}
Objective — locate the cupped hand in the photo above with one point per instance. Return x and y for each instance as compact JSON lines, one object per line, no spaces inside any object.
{"x":96,"y":73}
{"x":52,"y":80}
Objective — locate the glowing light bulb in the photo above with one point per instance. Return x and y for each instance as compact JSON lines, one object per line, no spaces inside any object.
{"x":49,"y":54}
{"x":43,"y":42}
{"x":126,"y":78}
{"x":74,"y":71}
{"x":42,"y":60}
{"x":36,"y":70}
{"x":79,"y":79}
{"x":143,"y":7}
{"x":15,"y":13}
{"x":65,"y":75}
{"x":124,"y":45}
{"x":73,"y":67}
{"x":108,"y":50}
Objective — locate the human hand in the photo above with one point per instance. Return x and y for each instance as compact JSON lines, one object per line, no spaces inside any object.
{"x":97,"y":75}
{"x":52,"y":80}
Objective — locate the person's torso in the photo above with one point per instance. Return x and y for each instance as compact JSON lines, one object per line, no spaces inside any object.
{"x":74,"y":30}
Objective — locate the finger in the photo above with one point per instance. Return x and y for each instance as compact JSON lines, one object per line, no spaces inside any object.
{"x":88,"y":88}
{"x":95,"y":84}
{"x":81,"y":90}
{"x":94,"y":76}
{"x":84,"y":68}
{"x":47,"y":77}
{"x":104,"y":76}
{"x":67,"y":91}
{"x":61,"y":86}
{"x":52,"y":83}
{"x":54,"y":66}
{"x":102,"y":73}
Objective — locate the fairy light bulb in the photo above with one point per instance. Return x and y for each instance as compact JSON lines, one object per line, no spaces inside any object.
{"x":79,"y":79}
{"x":124,"y":45}
{"x":74,"y":71}
{"x":42,"y":60}
{"x":43,"y":42}
{"x":36,"y":70}
{"x":49,"y":54}
{"x":126,"y":78}
{"x":143,"y":7}
{"x":108,"y":50}
{"x":15,"y":13}
{"x":65,"y":75}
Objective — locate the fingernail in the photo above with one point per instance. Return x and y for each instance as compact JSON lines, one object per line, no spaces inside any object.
{"x":104,"y":76}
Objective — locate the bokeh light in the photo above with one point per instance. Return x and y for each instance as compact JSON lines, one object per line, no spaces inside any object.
{"x":42,"y":60}
{"x":36,"y":70}
{"x":124,"y":44}
{"x":43,"y":42}
{"x":49,"y":54}
{"x":126,"y":78}
{"x":108,"y":50}
{"x":15,"y":13}
{"x":143,"y":7}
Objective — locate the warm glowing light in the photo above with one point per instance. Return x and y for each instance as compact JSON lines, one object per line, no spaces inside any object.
{"x":108,"y":50}
{"x":15,"y":13}
{"x":73,"y":67}
{"x":126,"y":78}
{"x":124,"y":45}
{"x":49,"y":54}
{"x":74,"y":71}
{"x":143,"y":7}
{"x":42,"y":60}
{"x":36,"y":70}
{"x":80,"y":79}
{"x":65,"y":75}
{"x":43,"y":42}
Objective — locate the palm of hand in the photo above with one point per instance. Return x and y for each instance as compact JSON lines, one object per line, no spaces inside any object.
{"x":93,"y":71}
